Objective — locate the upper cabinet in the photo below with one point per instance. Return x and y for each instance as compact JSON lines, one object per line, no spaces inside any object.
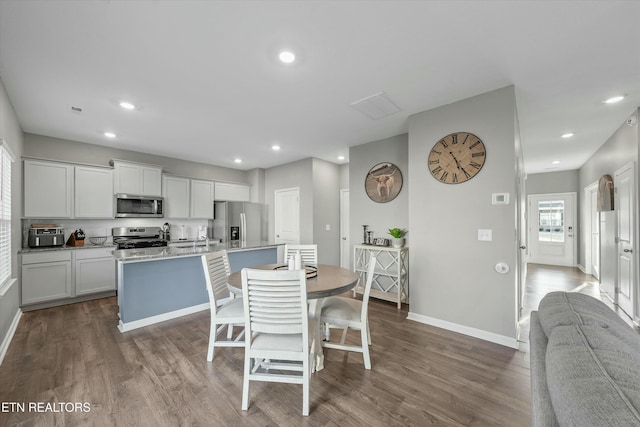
{"x":48,"y":189}
{"x":232,"y":192}
{"x":187,"y":198}
{"x":93,"y":192}
{"x":175,"y":191}
{"x":137,"y":178}
{"x":202,"y":199}
{"x":61,"y":190}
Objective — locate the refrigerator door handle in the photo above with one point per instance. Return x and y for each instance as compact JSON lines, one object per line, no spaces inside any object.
{"x":243,"y":227}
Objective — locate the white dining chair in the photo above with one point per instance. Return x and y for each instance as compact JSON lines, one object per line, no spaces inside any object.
{"x":277,"y":326}
{"x":308,"y":253}
{"x":350,"y":313}
{"x":226,"y":311}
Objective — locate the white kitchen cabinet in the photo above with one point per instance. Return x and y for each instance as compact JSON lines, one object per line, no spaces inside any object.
{"x":93,"y":192}
{"x":175,"y":191}
{"x":202,"y":199}
{"x":46,"y":276}
{"x":95,"y":271}
{"x":48,"y":189}
{"x":391,"y":275}
{"x":232,"y":192}
{"x":137,"y":178}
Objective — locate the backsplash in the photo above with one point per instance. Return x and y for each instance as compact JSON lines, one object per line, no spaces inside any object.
{"x":180,"y":229}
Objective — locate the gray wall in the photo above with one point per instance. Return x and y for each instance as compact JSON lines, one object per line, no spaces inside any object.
{"x":11,"y":133}
{"x":344,"y":176}
{"x":553,"y":182}
{"x":452,"y":276}
{"x":46,"y":147}
{"x":620,"y":149}
{"x":380,"y":217}
{"x":326,"y":211}
{"x":297,"y":174}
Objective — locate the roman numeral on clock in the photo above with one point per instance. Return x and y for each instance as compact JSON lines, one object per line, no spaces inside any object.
{"x":434,"y":162}
{"x":444,"y":176}
{"x":436,"y":170}
{"x":480,"y":154}
{"x":474,"y":145}
{"x":475,"y":165}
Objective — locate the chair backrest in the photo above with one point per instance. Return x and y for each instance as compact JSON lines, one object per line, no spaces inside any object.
{"x":275,"y":302}
{"x":216,"y":271}
{"x":367,"y":288}
{"x":308,"y":253}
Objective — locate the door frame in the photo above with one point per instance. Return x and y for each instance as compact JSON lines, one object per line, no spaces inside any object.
{"x":573,"y":195}
{"x":275,"y":210}
{"x":587,"y":230}
{"x":344,"y":227}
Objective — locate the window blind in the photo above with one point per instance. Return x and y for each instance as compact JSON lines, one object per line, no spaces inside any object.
{"x":6,"y":158}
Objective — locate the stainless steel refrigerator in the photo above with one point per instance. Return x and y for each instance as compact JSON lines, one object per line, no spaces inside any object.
{"x":239,"y":221}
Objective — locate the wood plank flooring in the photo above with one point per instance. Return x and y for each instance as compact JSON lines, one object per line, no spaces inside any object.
{"x":159,"y":376}
{"x":542,"y":279}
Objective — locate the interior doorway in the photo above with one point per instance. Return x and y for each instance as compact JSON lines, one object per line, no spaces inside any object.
{"x":552,"y":226}
{"x":591,"y":234}
{"x":287,"y":215}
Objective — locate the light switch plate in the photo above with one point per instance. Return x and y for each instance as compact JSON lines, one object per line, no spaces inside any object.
{"x":485,"y":235}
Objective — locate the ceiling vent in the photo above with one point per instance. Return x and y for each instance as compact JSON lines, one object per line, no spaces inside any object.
{"x":376,"y":106}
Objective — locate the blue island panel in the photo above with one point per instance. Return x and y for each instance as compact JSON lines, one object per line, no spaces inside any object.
{"x":157,"y":287}
{"x":241,"y":259}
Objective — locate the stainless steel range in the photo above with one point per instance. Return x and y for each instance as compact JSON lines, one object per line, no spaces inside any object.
{"x":137,"y":237}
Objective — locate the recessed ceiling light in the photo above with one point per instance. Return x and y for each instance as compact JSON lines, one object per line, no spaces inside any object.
{"x":340,"y":157}
{"x":238,"y":160}
{"x":567,"y":135}
{"x":127,"y":105}
{"x":275,"y":147}
{"x":614,"y":99}
{"x":109,"y":134}
{"x":287,"y":56}
{"x":555,"y":162}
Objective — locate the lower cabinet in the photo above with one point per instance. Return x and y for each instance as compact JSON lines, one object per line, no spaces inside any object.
{"x":95,"y":271}
{"x":59,"y":276}
{"x":46,"y":277}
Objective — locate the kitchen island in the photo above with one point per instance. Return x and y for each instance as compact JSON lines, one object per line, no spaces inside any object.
{"x":162,"y":283}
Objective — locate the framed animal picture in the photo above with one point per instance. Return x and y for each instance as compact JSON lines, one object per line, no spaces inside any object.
{"x":383,"y":182}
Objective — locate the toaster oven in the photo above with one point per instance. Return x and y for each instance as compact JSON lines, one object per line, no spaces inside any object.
{"x":42,"y":237}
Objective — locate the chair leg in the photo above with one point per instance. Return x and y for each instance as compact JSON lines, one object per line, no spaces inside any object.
{"x":368,"y":332}
{"x":305,"y":388}
{"x":344,"y":335}
{"x":365,"y":348}
{"x":229,"y":331}
{"x":212,"y":341}
{"x":245,"y":383}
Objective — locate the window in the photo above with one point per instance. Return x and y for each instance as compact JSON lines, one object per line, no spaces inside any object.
{"x":6,"y":158}
{"x":551,"y":221}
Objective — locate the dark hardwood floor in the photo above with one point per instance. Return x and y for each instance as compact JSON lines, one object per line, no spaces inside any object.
{"x":542,"y":279}
{"x":159,"y":376}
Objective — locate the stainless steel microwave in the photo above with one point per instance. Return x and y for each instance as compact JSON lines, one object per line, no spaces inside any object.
{"x":131,"y":206}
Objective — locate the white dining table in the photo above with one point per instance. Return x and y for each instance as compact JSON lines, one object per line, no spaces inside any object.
{"x":330,"y":280}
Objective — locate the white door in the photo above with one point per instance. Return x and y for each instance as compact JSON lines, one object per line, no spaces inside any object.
{"x":595,"y":235}
{"x":552,"y":219}
{"x":624,"y":203}
{"x":287,"y":215}
{"x":345,"y":242}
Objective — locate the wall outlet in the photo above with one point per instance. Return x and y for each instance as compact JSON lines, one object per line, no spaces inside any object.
{"x":485,"y":235}
{"x":328,"y":227}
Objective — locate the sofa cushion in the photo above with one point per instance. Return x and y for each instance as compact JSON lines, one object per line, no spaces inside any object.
{"x":572,"y":308}
{"x":593,"y":376}
{"x":542,"y":413}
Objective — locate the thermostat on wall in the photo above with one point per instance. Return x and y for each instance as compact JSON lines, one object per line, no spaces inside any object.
{"x":500,"y":198}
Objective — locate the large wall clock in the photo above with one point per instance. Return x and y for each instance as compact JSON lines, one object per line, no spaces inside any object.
{"x":457,"y":158}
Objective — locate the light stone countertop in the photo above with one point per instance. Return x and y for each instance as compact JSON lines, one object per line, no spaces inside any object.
{"x":166,"y":252}
{"x":65,"y":248}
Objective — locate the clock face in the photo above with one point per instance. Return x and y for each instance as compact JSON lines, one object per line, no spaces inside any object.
{"x":457,"y":158}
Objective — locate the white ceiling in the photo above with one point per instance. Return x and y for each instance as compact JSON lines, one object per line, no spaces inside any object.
{"x":209,"y":87}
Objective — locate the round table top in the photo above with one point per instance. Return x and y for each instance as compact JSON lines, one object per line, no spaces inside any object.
{"x":331,"y":280}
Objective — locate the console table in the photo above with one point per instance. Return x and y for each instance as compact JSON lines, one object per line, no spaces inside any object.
{"x":391,"y":276}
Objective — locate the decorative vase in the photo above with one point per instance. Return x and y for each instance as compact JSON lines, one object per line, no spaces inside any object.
{"x":397,"y":242}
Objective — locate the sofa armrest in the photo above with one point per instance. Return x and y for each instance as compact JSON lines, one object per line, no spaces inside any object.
{"x":542,"y":413}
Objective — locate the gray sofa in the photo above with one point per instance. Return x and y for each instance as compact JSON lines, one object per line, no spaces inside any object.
{"x":585,"y":364}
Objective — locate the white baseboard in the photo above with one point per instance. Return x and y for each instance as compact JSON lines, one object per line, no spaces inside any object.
{"x":125,"y":327}
{"x":581,"y":268}
{"x":465,"y":330}
{"x":7,"y":339}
